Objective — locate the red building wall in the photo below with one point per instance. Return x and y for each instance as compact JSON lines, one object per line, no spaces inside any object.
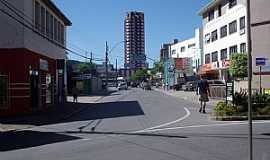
{"x":16,"y":63}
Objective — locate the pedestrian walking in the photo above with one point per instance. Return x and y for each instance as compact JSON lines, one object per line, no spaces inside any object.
{"x":204,"y":92}
{"x":75,"y":93}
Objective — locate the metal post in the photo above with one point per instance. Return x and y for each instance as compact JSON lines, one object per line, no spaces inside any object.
{"x":260,"y":80}
{"x":116,"y":72}
{"x":249,"y":81}
{"x":106,"y":65}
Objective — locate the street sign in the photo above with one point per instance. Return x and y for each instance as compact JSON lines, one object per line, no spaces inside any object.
{"x":260,"y":61}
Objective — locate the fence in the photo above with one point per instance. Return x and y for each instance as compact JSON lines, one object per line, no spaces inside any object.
{"x":218,"y":92}
{"x":4,"y":92}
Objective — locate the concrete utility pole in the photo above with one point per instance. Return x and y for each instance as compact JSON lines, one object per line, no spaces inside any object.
{"x":249,"y":81}
{"x":116,"y":72}
{"x":91,"y":58}
{"x":106,"y":64}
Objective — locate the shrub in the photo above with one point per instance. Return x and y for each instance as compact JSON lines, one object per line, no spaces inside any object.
{"x":221,"y":109}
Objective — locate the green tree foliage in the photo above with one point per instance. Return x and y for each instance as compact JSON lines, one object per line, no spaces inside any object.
{"x":158,"y":67}
{"x":85,"y":67}
{"x":238,"y":66}
{"x":139,"y":75}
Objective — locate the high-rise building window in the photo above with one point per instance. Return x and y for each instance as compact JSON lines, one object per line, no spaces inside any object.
{"x":223,"y":54}
{"x":242,"y":23}
{"x":207,"y":58}
{"x":214,"y":56}
{"x":233,"y":49}
{"x":211,"y":15}
{"x":243,"y":47}
{"x":232,"y":3}
{"x":223,"y":31}
{"x":37,"y":15}
{"x":214,"y":36}
{"x":233,"y":27}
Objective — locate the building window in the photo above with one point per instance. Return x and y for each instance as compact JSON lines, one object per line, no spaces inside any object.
{"x":211,"y":15}
{"x":58,"y":31}
{"x":183,"y":49}
{"x":223,"y":31}
{"x":207,"y":58}
{"x":232,"y":3}
{"x":214,"y":56}
{"x":233,"y":49}
{"x":233,"y":27}
{"x":43,"y":19}
{"x":220,"y":10}
{"x":207,"y":38}
{"x":243,"y":47}
{"x":173,"y":52}
{"x":191,"y":45}
{"x":37,"y":15}
{"x":55,"y":29}
{"x":242,"y":25}
{"x":214,"y":36}
{"x":47,"y":24}
{"x":223,"y":54}
{"x":51,"y":26}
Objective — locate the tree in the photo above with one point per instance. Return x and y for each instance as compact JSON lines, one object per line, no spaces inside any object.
{"x":238,"y":67}
{"x":158,"y":67}
{"x":84,"y":67}
{"x":139,"y":75}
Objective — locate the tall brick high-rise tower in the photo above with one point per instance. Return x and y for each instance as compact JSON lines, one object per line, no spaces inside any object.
{"x":134,"y":41}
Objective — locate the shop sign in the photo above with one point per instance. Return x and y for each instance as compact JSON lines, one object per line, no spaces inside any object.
{"x":43,"y":65}
{"x":267,"y":91}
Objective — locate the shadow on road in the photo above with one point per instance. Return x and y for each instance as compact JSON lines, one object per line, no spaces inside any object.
{"x":124,"y":133}
{"x":97,"y":111}
{"x":27,"y":139}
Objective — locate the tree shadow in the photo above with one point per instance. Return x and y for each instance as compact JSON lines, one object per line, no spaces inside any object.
{"x":27,"y":139}
{"x":84,"y":112}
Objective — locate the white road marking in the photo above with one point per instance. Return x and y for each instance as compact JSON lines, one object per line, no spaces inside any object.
{"x":169,"y":123}
{"x":207,"y":125}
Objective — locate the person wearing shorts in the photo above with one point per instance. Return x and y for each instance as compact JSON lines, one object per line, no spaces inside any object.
{"x":203,"y":89}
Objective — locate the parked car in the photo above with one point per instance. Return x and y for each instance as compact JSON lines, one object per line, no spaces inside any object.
{"x":216,"y":82}
{"x":190,"y":86}
{"x":122,"y":85}
{"x":147,"y":86}
{"x":134,"y":84}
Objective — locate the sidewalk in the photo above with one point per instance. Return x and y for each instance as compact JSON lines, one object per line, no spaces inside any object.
{"x":188,"y":96}
{"x":54,"y":114}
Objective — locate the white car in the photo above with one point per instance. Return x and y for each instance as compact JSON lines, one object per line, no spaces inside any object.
{"x":122,"y":85}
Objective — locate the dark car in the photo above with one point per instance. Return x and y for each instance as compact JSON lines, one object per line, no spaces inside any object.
{"x":190,"y":86}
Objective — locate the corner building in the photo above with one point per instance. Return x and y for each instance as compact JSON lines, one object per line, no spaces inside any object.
{"x":32,"y":56}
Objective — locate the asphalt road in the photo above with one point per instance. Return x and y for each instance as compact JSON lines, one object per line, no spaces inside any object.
{"x":137,"y":125}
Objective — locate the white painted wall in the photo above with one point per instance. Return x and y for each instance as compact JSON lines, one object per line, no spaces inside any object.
{"x":232,"y":14}
{"x":194,"y":52}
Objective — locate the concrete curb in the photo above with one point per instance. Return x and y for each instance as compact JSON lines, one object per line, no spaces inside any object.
{"x":239,"y":118}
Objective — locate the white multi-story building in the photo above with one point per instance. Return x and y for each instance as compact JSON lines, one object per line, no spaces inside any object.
{"x":224,"y":29}
{"x":190,"y":51}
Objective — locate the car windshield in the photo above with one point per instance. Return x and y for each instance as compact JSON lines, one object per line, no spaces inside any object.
{"x":134,"y":79}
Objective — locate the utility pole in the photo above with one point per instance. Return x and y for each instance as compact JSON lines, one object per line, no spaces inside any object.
{"x":106,"y":65}
{"x":91,"y":58}
{"x":249,"y":81}
{"x":116,"y":72}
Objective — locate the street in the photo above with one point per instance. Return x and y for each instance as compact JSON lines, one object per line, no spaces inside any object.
{"x":136,"y":125}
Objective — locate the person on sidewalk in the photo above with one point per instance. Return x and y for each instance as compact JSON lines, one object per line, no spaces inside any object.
{"x":203,"y":89}
{"x":75,"y":93}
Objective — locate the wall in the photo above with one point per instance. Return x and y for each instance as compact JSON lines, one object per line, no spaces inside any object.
{"x":11,"y":31}
{"x":260,"y":35}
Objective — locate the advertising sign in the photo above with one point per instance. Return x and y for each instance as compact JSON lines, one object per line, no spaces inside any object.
{"x":229,"y":91}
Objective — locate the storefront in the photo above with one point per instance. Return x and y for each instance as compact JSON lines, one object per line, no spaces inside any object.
{"x":31,"y":81}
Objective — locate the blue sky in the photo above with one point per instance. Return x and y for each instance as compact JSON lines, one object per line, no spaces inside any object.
{"x":97,"y":21}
